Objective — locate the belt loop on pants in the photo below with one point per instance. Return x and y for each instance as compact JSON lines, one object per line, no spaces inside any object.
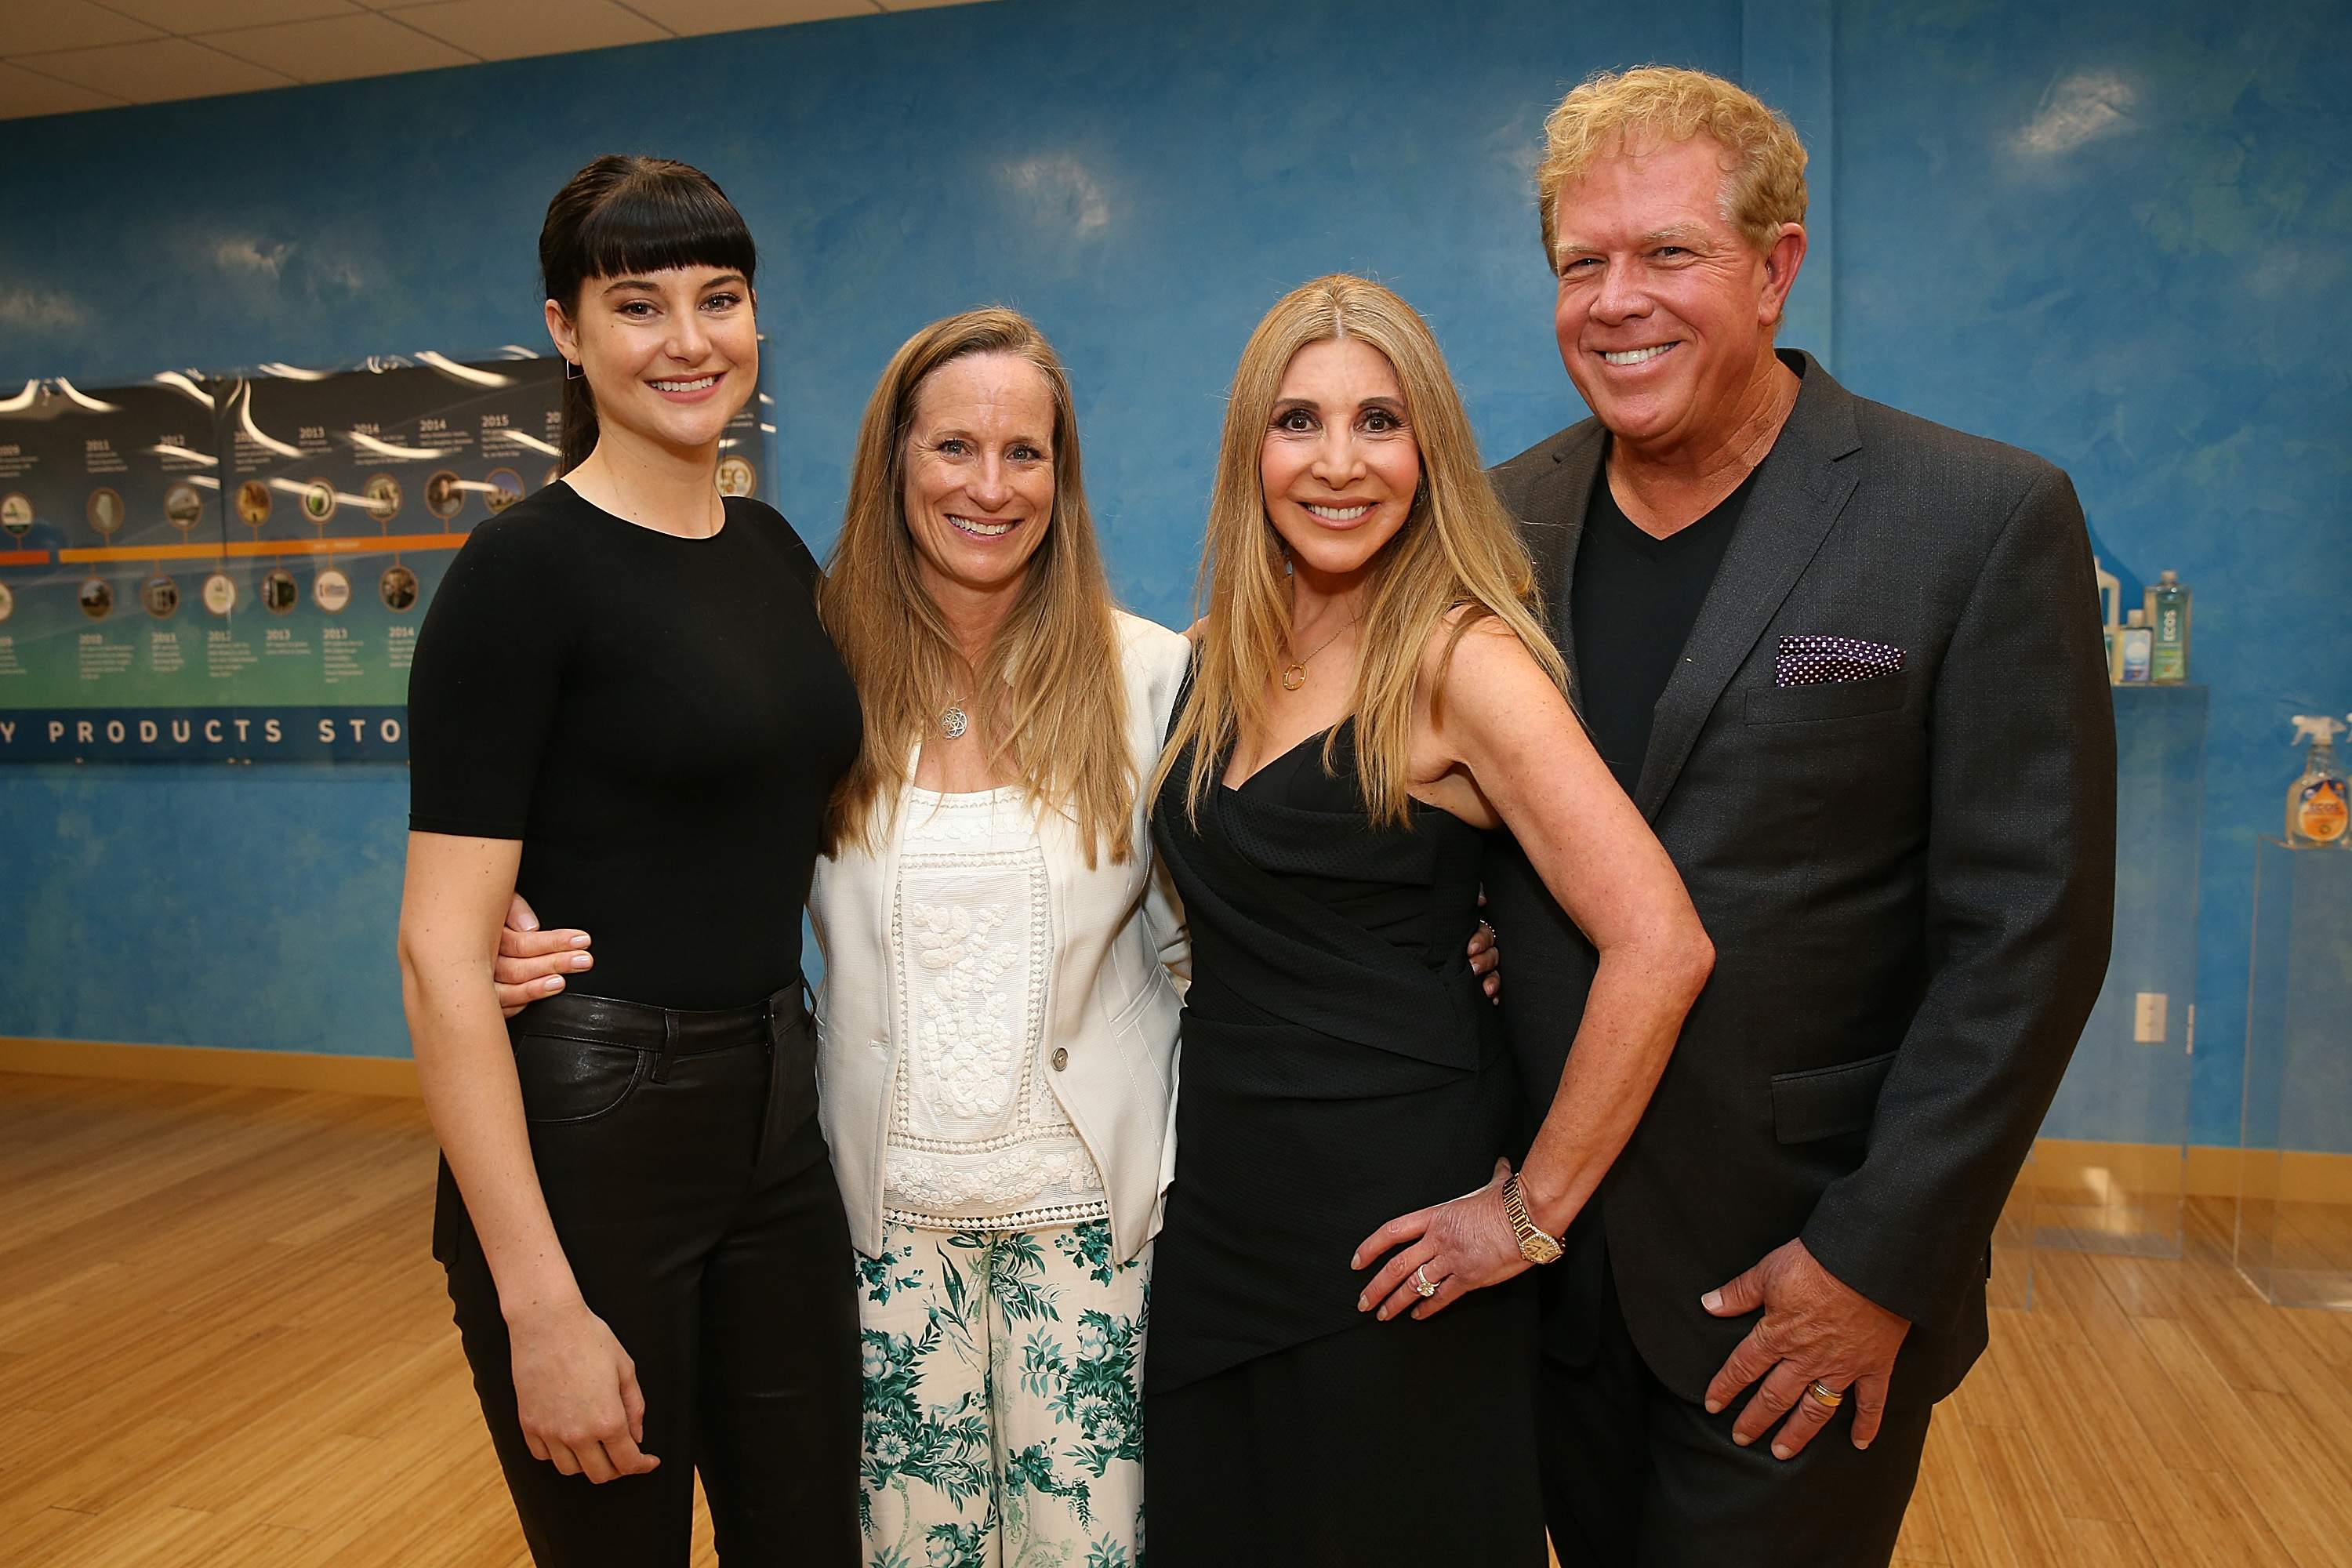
{"x":668,"y":1046}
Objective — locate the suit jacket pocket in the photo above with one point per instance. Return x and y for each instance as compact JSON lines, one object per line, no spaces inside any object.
{"x":567,"y":1080}
{"x":1822,"y":1102}
{"x":1831,"y":699}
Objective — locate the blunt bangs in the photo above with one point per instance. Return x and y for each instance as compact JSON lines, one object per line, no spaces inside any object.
{"x":652,"y":220}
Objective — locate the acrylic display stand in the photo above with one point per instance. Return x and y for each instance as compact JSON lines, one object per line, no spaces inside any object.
{"x":2110,"y":1168}
{"x":2293,"y":1240}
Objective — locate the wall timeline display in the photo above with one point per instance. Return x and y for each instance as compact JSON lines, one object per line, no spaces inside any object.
{"x":236,"y":566}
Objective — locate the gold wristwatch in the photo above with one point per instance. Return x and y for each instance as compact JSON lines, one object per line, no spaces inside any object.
{"x":1535,"y":1245}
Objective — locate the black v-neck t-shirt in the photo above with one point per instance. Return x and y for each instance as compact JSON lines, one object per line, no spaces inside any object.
{"x":1632,"y":608}
{"x":659,"y":720}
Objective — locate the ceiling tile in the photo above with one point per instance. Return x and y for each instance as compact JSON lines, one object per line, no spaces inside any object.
{"x":730,"y":16}
{"x":338,"y":48}
{"x":24,"y":94}
{"x":510,"y":29}
{"x":185,"y":16}
{"x":65,"y":25}
{"x":158,"y":71}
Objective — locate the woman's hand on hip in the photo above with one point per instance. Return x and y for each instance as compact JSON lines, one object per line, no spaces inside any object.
{"x":576,"y":1393}
{"x":531,"y":962}
{"x":1451,"y":1248}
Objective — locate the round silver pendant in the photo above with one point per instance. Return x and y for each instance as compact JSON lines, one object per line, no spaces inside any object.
{"x":953,"y":722}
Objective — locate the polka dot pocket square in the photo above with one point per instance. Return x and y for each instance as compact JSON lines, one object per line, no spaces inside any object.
{"x":1821,"y":660}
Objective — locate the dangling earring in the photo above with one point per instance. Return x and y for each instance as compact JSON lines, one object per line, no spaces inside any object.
{"x":572,"y":371}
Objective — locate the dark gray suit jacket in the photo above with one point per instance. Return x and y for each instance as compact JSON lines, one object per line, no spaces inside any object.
{"x":1910,"y":880}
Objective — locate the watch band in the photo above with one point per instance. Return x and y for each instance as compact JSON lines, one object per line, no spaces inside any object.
{"x":1536,"y":1244}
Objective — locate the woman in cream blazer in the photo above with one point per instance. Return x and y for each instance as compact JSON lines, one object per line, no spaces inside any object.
{"x":1113,"y":986}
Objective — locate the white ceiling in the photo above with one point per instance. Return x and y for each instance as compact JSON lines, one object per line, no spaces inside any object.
{"x":60,"y":56}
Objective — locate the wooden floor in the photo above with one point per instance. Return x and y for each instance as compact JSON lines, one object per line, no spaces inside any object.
{"x":222,"y":1342}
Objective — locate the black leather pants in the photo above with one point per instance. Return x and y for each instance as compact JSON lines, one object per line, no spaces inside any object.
{"x":691,"y":1189}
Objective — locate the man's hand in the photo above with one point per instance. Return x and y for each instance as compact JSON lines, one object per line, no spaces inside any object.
{"x":531,"y":962}
{"x":1815,"y":1327}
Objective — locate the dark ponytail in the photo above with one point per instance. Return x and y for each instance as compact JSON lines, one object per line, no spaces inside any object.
{"x":624,"y":215}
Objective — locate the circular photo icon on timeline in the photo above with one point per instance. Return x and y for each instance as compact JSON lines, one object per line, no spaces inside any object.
{"x":104,"y":510}
{"x":318,"y":500}
{"x":220,"y":593}
{"x":97,"y":599}
{"x":330,"y":590}
{"x":184,"y":505}
{"x":161,"y":595}
{"x":253,"y":503}
{"x":8,"y":602}
{"x":280,"y":592}
{"x":382,"y":492}
{"x":505,"y":488}
{"x":445,"y":495}
{"x":16,"y":514}
{"x":396,"y":588}
{"x":736,"y":476}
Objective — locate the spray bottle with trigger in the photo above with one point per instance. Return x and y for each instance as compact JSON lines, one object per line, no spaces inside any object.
{"x":2314,"y":801}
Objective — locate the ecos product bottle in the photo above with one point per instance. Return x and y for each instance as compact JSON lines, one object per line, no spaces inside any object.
{"x":2168,"y":617}
{"x":2315,"y":802}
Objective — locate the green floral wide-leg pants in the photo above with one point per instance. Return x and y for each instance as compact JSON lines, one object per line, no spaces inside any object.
{"x":1003,"y":1399}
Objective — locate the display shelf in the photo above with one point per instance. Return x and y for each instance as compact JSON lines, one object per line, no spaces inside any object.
{"x":2293,"y":1238}
{"x":2109,"y":1173}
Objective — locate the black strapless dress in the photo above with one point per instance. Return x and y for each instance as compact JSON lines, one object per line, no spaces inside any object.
{"x":1339,"y":1067}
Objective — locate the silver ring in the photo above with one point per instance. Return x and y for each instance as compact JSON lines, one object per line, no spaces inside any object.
{"x":1421,"y":1283}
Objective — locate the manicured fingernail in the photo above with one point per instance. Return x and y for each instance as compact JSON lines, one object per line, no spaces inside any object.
{"x":1712,"y":1300}
{"x":527,"y":924}
{"x":1363,"y":1305}
{"x":579,"y":961}
{"x":1778,"y":1452}
{"x":1355,"y":1260}
{"x":580,"y":941}
{"x":554,"y":984}
{"x":1743,"y":1442}
{"x":1865,"y":1443}
{"x":1715,"y":1408}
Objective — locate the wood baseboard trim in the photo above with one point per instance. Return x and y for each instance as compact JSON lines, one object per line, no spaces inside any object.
{"x":394,"y":1077}
{"x":2201,"y":1171}
{"x":2070,"y":1165}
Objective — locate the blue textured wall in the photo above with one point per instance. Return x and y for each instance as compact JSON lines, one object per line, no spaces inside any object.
{"x":2117,"y":236}
{"x":2121,"y":234}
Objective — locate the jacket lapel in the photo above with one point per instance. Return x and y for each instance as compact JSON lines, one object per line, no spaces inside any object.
{"x":1552,"y":538}
{"x":1799,"y":493}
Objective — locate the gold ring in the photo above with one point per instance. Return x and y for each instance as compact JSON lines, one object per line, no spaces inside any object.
{"x":1824,"y":1396}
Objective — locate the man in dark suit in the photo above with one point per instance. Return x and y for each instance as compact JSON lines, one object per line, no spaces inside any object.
{"x":1845,"y":663}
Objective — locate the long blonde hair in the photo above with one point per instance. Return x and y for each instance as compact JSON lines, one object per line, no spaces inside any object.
{"x":1060,"y":723}
{"x":1457,"y":549}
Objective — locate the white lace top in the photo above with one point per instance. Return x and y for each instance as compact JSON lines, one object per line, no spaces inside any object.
{"x":977,"y":1139}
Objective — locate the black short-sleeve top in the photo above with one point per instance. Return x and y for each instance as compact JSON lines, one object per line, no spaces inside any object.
{"x":659,"y":720}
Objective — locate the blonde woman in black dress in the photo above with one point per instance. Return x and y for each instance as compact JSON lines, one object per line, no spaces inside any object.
{"x":1340,"y":1368}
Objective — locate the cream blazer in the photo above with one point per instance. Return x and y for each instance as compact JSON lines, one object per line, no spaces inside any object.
{"x":1112,"y":997}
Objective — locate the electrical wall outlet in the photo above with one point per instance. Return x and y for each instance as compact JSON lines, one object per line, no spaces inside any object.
{"x":2148,"y":1019}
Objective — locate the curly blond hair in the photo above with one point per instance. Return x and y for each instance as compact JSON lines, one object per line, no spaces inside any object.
{"x":1612,"y":111}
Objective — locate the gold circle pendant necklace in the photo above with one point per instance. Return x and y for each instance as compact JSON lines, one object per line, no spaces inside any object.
{"x":1295,"y":675}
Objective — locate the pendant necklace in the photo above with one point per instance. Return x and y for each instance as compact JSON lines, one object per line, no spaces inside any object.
{"x":1295,"y":675}
{"x":954,"y":720}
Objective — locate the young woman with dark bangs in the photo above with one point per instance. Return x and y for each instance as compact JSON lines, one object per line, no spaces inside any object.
{"x":623,"y":708}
